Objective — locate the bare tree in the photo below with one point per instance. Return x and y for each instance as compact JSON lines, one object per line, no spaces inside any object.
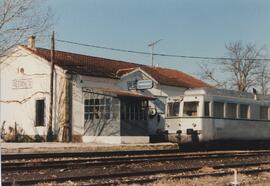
{"x":242,"y":66}
{"x":19,"y":19}
{"x":263,"y":78}
{"x":210,"y":75}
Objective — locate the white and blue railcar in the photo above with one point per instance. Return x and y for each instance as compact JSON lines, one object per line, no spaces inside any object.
{"x":208,"y":115}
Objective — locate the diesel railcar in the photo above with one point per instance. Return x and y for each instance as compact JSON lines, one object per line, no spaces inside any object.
{"x":208,"y":115}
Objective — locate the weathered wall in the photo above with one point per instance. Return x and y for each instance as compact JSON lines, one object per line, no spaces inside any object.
{"x":24,"y":79}
{"x":78,"y":82}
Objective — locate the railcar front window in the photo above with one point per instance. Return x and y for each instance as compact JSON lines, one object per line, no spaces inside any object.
{"x":244,"y":109}
{"x":173,"y":108}
{"x":191,"y":108}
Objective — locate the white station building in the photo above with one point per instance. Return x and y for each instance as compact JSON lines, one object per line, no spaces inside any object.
{"x":94,"y":99}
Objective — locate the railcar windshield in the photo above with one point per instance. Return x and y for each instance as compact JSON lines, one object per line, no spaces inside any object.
{"x":173,"y":108}
{"x":191,"y":108}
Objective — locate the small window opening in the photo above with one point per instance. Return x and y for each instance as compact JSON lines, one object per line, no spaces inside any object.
{"x":40,"y":112}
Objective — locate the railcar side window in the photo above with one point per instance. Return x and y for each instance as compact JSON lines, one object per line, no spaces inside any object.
{"x":231,"y":110}
{"x":173,"y":108}
{"x":243,"y":111}
{"x":264,"y":112}
{"x":191,"y":108}
{"x":219,"y":109}
{"x":206,"y":108}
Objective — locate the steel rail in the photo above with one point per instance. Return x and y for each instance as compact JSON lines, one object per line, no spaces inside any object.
{"x":10,"y":166}
{"x":117,"y":155}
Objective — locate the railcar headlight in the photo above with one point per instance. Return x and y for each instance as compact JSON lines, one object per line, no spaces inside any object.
{"x":194,"y":124}
{"x":179,"y":124}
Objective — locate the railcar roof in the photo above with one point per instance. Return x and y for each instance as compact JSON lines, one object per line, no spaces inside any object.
{"x":225,"y":92}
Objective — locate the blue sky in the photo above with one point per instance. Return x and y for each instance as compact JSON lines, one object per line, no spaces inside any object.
{"x":186,"y":27}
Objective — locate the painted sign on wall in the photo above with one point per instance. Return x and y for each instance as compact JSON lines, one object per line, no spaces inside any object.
{"x":22,"y":83}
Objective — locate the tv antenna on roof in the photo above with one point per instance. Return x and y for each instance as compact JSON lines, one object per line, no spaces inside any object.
{"x":152,"y":50}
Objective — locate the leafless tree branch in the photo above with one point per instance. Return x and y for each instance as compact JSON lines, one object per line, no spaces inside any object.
{"x":21,"y":18}
{"x":243,"y":69}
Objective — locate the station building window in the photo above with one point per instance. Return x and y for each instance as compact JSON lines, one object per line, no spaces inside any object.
{"x":231,"y":110}
{"x":218,"y":109}
{"x":40,"y":113}
{"x":134,"y":110}
{"x":191,"y":108}
{"x":98,"y":108}
{"x":264,"y":113}
{"x":173,"y":108}
{"x":243,"y":111}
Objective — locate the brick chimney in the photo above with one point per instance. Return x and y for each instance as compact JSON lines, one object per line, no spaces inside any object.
{"x":32,"y":42}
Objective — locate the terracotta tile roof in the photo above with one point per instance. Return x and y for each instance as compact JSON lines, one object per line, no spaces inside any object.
{"x":108,"y":68}
{"x":120,"y":93}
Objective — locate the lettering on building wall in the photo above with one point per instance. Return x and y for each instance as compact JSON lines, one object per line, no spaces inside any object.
{"x":22,"y":83}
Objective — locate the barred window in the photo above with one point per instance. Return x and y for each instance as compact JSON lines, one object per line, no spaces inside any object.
{"x":134,"y":110}
{"x":98,"y":108}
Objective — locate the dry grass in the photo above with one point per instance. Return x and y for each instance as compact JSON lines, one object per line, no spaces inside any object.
{"x":262,"y":179}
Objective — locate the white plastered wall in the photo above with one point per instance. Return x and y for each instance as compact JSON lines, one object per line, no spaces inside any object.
{"x":159,"y":91}
{"x":17,"y":103}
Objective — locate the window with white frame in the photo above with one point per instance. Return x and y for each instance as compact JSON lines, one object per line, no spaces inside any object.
{"x":97,"y":108}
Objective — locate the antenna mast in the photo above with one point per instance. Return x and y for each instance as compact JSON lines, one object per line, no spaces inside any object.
{"x":152,"y":50}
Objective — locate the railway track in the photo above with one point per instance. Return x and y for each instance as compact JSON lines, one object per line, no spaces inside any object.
{"x":147,"y":176}
{"x":64,"y":163}
{"x":20,"y":165}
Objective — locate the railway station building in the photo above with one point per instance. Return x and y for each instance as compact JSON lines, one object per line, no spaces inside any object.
{"x":94,"y":99}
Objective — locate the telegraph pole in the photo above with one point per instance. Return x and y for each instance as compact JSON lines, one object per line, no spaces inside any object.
{"x":152,"y":50}
{"x":49,"y":131}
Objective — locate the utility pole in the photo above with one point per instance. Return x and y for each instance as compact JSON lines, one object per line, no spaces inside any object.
{"x":49,"y":131}
{"x":152,"y":50}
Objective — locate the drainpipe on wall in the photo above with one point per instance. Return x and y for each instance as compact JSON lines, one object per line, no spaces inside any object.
{"x":49,"y":129}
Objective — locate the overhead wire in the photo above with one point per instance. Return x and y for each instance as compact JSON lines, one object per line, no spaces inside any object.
{"x":158,"y":54}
